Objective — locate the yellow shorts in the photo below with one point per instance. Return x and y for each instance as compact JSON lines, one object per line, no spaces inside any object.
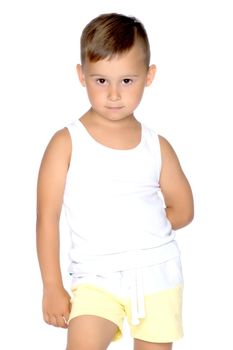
{"x":163,"y":320}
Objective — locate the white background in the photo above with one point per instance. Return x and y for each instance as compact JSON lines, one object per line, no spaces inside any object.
{"x":190,"y":103}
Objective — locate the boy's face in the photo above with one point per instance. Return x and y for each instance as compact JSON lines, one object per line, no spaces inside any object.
{"x":115,"y":87}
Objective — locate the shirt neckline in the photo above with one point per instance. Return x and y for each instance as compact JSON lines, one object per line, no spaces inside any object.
{"x":111,"y":148}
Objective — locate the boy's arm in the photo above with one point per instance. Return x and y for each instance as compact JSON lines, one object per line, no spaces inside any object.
{"x":50,"y":189}
{"x":175,"y":188}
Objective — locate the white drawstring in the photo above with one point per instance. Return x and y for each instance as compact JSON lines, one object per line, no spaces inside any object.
{"x":137,"y":296}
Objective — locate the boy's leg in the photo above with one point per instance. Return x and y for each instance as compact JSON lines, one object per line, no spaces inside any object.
{"x":144,"y":345}
{"x":90,"y":333}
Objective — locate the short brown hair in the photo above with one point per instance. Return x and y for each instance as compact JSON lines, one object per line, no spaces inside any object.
{"x":112,"y":34}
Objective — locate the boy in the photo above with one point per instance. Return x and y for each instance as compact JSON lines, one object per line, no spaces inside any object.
{"x":108,"y":171}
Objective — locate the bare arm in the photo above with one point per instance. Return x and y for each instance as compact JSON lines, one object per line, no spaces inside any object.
{"x":175,"y":188}
{"x":50,"y":189}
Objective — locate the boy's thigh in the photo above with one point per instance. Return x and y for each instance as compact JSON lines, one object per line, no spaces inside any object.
{"x":103,"y":308}
{"x":90,"y":333}
{"x":143,"y":345}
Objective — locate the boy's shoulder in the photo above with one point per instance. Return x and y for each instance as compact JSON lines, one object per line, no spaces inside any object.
{"x":61,"y":135}
{"x":150,"y":130}
{"x":165,"y":145}
{"x":60,"y":140}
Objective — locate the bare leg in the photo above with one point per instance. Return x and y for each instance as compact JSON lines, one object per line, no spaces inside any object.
{"x":90,"y":333}
{"x":144,"y":345}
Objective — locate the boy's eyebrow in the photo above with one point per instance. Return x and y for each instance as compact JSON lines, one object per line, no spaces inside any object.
{"x":123,"y":76}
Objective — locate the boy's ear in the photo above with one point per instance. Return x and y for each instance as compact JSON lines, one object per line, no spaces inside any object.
{"x":80,"y":74}
{"x":150,"y":74}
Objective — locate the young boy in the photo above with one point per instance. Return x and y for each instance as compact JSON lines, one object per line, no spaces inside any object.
{"x":109,"y":171}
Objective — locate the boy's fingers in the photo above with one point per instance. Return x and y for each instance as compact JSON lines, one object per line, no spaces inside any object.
{"x":46,"y":318}
{"x":51,"y":320}
{"x":54,"y":321}
{"x":57,"y":321}
{"x":65,"y":321}
{"x":66,"y":315}
{"x":60,"y":322}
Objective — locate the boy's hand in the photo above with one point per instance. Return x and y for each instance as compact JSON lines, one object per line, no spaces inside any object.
{"x":56,"y":307}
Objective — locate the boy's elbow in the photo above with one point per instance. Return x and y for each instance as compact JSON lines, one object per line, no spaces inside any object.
{"x":185,"y":217}
{"x":189,"y":218}
{"x":180,"y":217}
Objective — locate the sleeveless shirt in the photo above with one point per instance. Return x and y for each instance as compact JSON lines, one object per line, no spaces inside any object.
{"x":114,"y":207}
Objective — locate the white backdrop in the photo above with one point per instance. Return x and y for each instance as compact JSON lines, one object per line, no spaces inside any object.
{"x":190,"y":103}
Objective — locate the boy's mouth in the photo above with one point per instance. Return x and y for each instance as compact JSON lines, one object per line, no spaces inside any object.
{"x":114,"y":107}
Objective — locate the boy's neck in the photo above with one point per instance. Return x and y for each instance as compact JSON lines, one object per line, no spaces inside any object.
{"x":91,"y":118}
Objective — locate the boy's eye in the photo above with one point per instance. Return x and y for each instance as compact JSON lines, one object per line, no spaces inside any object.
{"x":101,"y":81}
{"x":127,"y":81}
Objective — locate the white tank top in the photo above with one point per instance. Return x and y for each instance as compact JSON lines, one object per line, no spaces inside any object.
{"x":113,"y":205}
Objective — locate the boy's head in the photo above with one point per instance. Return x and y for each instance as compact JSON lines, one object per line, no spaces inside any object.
{"x":112,"y":34}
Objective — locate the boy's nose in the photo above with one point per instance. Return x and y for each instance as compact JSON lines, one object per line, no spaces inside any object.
{"x":113,"y":93}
